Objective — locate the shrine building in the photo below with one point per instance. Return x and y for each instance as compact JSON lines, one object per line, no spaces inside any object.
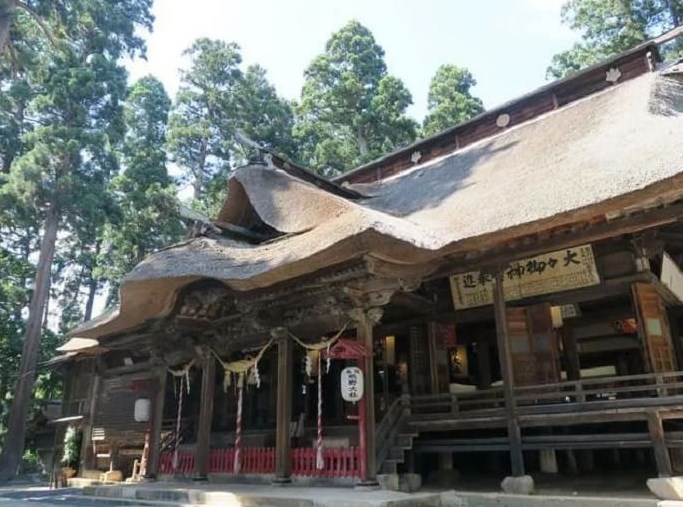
{"x":504,"y":297}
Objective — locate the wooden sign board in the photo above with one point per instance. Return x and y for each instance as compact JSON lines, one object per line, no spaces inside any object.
{"x":557,"y":271}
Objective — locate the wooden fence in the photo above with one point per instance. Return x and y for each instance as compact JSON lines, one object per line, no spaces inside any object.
{"x":338,"y":461}
{"x":648,"y":390}
{"x":185,"y":464}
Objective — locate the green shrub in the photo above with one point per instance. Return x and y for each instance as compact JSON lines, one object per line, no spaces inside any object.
{"x":72,"y":447}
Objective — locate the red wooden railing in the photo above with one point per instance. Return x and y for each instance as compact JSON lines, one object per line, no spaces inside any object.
{"x":254,"y":460}
{"x":338,"y":461}
{"x":185,"y":463}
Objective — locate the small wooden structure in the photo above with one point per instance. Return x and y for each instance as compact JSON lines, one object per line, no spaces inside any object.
{"x":517,"y":283}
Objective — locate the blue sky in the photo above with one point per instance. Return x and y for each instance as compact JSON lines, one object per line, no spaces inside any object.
{"x":506,"y":44}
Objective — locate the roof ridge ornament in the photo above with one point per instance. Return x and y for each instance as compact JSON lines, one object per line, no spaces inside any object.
{"x":268,"y":158}
{"x":613,"y":75}
{"x":503,"y":120}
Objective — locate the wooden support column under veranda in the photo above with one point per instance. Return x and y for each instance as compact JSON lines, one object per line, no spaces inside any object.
{"x":285,"y":384}
{"x":201,"y":464}
{"x":662,"y":458}
{"x":505,"y":359}
{"x":152,"y":469}
{"x":571,"y":353}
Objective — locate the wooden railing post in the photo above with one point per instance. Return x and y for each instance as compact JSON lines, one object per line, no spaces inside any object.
{"x":580,"y":397}
{"x":660,"y":386}
{"x":405,"y":404}
{"x":454,"y":404}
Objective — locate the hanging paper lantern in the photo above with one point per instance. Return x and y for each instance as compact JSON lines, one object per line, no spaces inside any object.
{"x":308,"y":365}
{"x":143,"y":410}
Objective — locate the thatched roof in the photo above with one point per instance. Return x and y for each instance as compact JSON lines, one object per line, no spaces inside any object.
{"x":618,"y":148}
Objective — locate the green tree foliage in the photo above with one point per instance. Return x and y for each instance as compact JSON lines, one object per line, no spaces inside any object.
{"x":61,"y":177}
{"x":14,"y":29}
{"x":263,"y":116}
{"x":201,"y":124}
{"x":216,"y":99}
{"x":351,"y":109}
{"x":147,"y":210}
{"x":612,"y":26}
{"x":450,"y":101}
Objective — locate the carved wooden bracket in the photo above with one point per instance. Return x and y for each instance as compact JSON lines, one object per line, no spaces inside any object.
{"x":279,"y":333}
{"x":370,"y":315}
{"x":206,"y":303}
{"x":366,"y":299}
{"x":409,"y":284}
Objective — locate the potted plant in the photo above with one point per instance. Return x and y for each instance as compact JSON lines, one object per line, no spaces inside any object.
{"x":71,"y":452}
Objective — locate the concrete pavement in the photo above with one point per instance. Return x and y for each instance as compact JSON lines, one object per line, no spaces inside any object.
{"x":245,"y":495}
{"x":40,"y":496}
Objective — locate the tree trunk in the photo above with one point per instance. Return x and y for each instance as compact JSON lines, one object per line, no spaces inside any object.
{"x":198,"y":183}
{"x":14,"y":446}
{"x":92,"y":286}
{"x":675,"y":18}
{"x":362,"y":143}
{"x":13,"y":151}
{"x":6,"y":16}
{"x":90,"y":302}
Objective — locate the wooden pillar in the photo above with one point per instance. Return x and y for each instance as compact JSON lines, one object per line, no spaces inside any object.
{"x":483,"y":364}
{"x":433,"y":359}
{"x":385,"y":378}
{"x":446,"y":461}
{"x":201,"y":464}
{"x":662,"y":458}
{"x":283,"y":455}
{"x":571,"y":353}
{"x":586,"y":460}
{"x":505,"y":359}
{"x":548,"y":460}
{"x":155,"y":425}
{"x":364,"y":328}
{"x":87,"y":455}
{"x":622,"y":365}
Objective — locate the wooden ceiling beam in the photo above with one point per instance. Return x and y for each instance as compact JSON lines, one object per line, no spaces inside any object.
{"x":414,"y":302}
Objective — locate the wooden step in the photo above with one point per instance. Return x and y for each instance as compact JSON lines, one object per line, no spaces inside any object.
{"x":396,"y":453}
{"x":404,"y":441}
